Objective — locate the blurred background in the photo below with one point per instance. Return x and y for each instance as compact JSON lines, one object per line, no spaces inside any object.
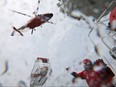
{"x":65,"y":43}
{"x":88,"y":7}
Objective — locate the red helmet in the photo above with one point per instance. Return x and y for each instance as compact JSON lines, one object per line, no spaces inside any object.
{"x":87,"y":61}
{"x":112,"y":15}
{"x":88,"y":64}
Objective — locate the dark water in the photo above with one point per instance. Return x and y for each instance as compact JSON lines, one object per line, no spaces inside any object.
{"x":88,"y":7}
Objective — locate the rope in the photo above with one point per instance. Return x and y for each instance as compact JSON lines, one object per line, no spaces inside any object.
{"x":35,"y":12}
{"x":105,"y":11}
{"x":101,"y":17}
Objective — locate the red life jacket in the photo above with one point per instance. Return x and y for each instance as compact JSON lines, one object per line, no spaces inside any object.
{"x":92,"y":78}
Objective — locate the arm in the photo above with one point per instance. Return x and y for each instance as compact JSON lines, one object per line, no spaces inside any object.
{"x":80,"y":75}
{"x":75,"y":74}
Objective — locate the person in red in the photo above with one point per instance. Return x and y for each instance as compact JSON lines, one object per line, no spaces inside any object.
{"x":101,"y":78}
{"x":112,"y":19}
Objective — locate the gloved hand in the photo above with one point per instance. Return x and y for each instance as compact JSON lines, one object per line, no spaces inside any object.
{"x":103,"y":62}
{"x":74,"y":74}
{"x":98,"y":61}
